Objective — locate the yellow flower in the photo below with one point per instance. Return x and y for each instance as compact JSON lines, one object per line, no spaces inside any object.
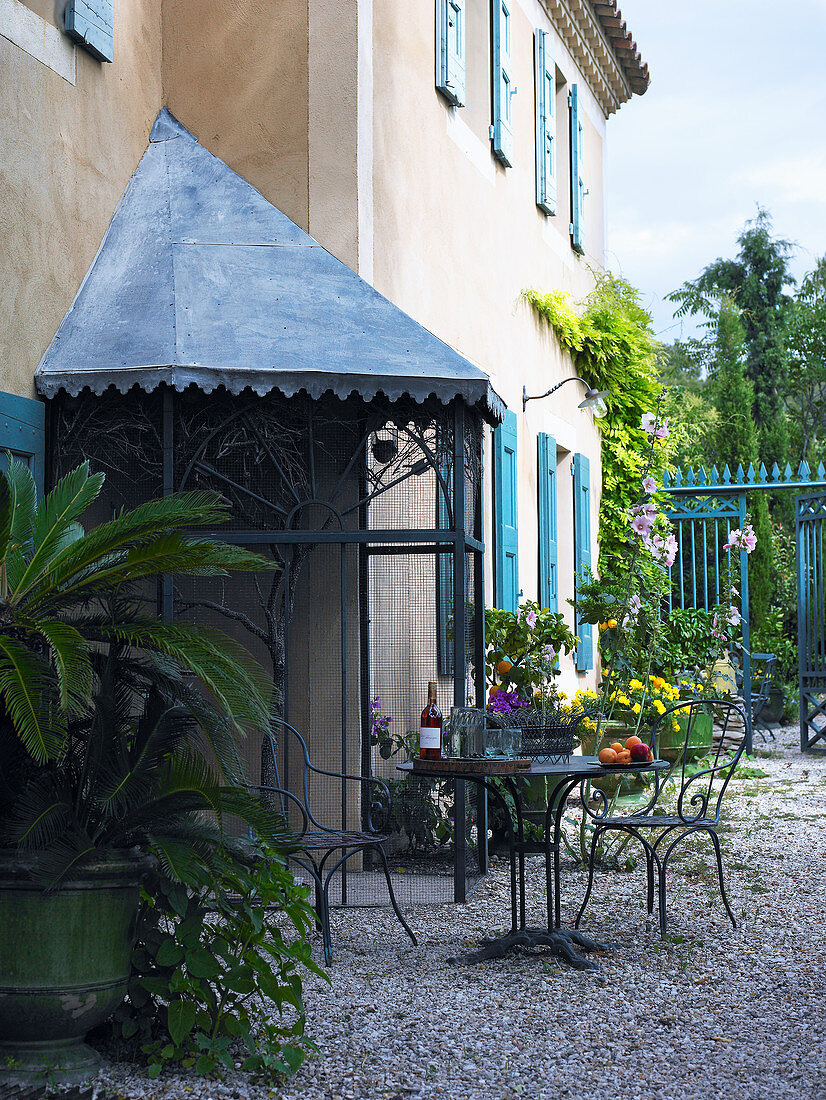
{"x":635,"y":685}
{"x":636,"y":708}
{"x":684,"y":710}
{"x":562,"y":695}
{"x":675,"y":727}
{"x":652,"y":677}
{"x":659,"y":707}
{"x":659,"y":683}
{"x":626,"y":702}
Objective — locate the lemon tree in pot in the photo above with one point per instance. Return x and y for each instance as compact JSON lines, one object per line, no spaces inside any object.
{"x":102,"y":708}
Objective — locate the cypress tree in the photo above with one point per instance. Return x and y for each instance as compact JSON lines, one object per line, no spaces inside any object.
{"x":735,"y":441}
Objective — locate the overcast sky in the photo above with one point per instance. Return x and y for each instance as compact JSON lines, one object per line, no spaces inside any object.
{"x":735,"y":115}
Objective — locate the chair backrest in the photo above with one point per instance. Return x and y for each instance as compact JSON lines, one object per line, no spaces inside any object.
{"x":702,"y":782}
{"x":333,"y":801}
{"x":763,"y":666}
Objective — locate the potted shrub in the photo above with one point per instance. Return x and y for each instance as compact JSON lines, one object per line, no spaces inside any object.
{"x":101,"y":709}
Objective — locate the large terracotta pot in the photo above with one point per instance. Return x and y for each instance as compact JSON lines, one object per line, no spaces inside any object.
{"x":64,"y":963}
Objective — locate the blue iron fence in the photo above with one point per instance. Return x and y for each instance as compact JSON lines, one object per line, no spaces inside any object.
{"x":706,"y":506}
{"x":810,"y":514}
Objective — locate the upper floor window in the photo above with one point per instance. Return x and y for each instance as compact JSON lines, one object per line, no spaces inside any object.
{"x":91,"y":23}
{"x":504,"y":88}
{"x":578,"y":191}
{"x":545,"y":94}
{"x":450,"y":50}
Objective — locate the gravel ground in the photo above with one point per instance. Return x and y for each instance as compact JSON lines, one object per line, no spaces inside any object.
{"x":709,"y":1012}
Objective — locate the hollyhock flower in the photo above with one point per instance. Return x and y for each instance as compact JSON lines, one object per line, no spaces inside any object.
{"x":649,"y":423}
{"x":530,"y":619}
{"x":670,"y":547}
{"x":649,"y":485}
{"x":733,"y":615}
{"x":662,"y":431}
{"x":641,"y":525}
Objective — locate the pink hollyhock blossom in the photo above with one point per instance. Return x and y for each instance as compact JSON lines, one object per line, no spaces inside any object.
{"x":530,"y":619}
{"x":649,"y":423}
{"x":733,"y":615}
{"x":649,"y":484}
{"x":662,"y":430}
{"x":749,"y":539}
{"x":742,"y":540}
{"x":654,"y":546}
{"x":641,"y":525}
{"x":670,"y":547}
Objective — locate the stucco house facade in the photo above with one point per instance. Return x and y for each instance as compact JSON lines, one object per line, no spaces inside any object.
{"x":426,"y":145}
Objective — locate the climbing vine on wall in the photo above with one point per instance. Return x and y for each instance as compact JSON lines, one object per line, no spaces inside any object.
{"x":610,"y":338}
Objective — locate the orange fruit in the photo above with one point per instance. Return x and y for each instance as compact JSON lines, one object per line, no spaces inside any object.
{"x":617,"y":746}
{"x":493,"y":690}
{"x":624,"y":757}
{"x":607,"y":756}
{"x":633,"y":741}
{"x":504,"y":667}
{"x":611,"y":623}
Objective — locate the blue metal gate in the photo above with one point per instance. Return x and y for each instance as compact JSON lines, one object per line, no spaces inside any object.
{"x":810,"y":513}
{"x":705,"y":507}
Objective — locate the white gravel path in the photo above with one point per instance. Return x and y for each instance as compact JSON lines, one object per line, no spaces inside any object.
{"x":708,"y":1013}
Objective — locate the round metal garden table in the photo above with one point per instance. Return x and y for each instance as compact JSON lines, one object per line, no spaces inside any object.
{"x":564,"y":776}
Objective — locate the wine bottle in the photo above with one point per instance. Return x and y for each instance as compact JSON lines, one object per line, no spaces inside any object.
{"x":430,"y":730}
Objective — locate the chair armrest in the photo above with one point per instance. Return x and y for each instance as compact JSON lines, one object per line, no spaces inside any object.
{"x":305,"y":817}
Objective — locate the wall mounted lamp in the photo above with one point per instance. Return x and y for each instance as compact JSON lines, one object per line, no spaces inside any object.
{"x":594,"y":399}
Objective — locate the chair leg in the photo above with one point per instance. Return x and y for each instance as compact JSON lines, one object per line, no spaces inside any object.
{"x":717,"y":853}
{"x":392,"y":894}
{"x":591,"y":854}
{"x":649,"y":882}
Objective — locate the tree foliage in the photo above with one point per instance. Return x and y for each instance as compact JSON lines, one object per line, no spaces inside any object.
{"x":756,"y":279}
{"x":806,"y":399}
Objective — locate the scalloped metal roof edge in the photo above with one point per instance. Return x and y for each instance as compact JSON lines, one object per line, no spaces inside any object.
{"x":199,"y":280}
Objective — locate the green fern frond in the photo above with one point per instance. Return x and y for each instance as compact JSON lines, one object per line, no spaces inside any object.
{"x":70,"y":654}
{"x":22,"y":678}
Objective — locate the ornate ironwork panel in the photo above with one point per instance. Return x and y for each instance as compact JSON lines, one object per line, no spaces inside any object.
{"x":811,"y":616}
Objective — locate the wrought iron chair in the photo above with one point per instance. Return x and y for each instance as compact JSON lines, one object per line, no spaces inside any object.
{"x":763,"y":668}
{"x":699,"y":797}
{"x":316,"y":843}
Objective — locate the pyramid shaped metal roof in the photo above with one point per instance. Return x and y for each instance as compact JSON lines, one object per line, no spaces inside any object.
{"x":199,"y":280}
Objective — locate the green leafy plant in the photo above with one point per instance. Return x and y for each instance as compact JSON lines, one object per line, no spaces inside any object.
{"x":211,"y":962}
{"x":611,"y":340}
{"x":523,"y":647}
{"x":686,"y":642}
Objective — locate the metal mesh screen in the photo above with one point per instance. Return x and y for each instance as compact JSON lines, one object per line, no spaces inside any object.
{"x":334,"y":493}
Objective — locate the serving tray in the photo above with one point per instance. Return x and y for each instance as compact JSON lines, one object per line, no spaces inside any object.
{"x":473,"y":765}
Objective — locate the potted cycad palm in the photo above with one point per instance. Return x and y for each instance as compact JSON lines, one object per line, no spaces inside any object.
{"x":118,"y":733}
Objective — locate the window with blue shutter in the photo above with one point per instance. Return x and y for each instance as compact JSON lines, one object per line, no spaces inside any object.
{"x":450,"y":50}
{"x":504,"y":88}
{"x":577,"y":178}
{"x":545,"y":81}
{"x":91,"y":23}
{"x":505,"y":515}
{"x":546,"y":482}
{"x":444,"y":574}
{"x":582,"y":553}
{"x":23,"y":432}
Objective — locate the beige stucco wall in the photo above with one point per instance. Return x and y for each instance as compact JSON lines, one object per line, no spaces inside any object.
{"x":236,"y":75}
{"x":457,"y":237}
{"x":66,"y":154}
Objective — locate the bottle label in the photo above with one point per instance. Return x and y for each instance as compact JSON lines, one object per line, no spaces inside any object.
{"x":430,"y":737}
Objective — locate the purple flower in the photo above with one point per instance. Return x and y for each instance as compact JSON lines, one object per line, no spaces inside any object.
{"x":733,"y":615}
{"x":649,"y":484}
{"x":505,"y":702}
{"x":641,"y":525}
{"x":530,"y":619}
{"x":662,"y":430}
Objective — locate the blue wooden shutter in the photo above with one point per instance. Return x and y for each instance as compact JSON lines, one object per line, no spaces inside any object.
{"x":450,"y":50}
{"x":577,"y":178}
{"x":545,"y":89}
{"x":546,"y":481}
{"x":444,"y":575}
{"x":582,"y":552}
{"x":22,"y":431}
{"x":505,"y":515}
{"x":91,"y":23}
{"x":504,"y":88}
